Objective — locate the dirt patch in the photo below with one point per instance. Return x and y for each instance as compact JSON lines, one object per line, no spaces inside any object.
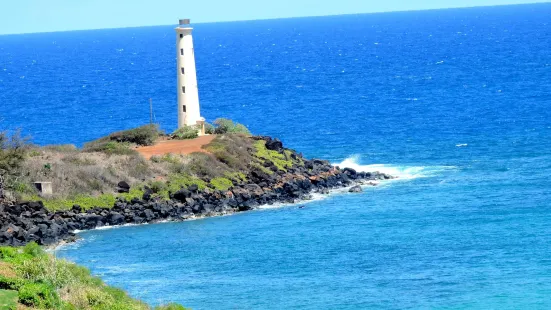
{"x":176,"y":147}
{"x":7,"y":271}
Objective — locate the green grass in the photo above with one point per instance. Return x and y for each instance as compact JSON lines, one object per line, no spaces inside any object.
{"x":43,"y":282}
{"x":176,"y":182}
{"x":85,"y":201}
{"x":8,"y":299}
{"x":162,"y":189}
{"x":221,"y":184}
{"x":237,"y":176}
{"x":281,"y":161}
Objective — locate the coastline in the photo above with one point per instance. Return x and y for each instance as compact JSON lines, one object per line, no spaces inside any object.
{"x":32,"y":222}
{"x":275,"y":205}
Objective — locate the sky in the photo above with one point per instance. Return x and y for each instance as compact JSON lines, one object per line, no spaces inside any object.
{"x":28,"y":16}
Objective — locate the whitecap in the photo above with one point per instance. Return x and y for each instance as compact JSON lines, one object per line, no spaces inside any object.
{"x":462,"y":145}
{"x":402,"y":172}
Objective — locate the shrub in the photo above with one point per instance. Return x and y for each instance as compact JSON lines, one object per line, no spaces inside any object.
{"x":221,"y":183}
{"x":204,"y":166}
{"x":176,"y":182}
{"x":209,"y":129}
{"x":33,"y":249}
{"x":78,"y":159}
{"x":61,"y":148}
{"x":38,"y":295}
{"x":122,"y":142}
{"x":166,"y":158}
{"x":279,"y":160}
{"x":110,"y":147}
{"x":185,"y":133}
{"x":232,"y":150}
{"x":236,"y":176}
{"x":144,"y":135}
{"x":157,"y":186}
{"x":228,"y":126}
{"x":13,"y":150}
{"x":8,"y":252}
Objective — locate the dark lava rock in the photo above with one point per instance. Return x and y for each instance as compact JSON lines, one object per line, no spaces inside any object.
{"x":356,"y":189}
{"x":147,"y":194}
{"x":181,"y":195}
{"x":274,"y":145}
{"x":123,"y":187}
{"x":193,"y":188}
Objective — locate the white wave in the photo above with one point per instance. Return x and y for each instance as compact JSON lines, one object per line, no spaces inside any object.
{"x":461,"y":145}
{"x":106,"y":227}
{"x":313,"y":197}
{"x":402,"y":172}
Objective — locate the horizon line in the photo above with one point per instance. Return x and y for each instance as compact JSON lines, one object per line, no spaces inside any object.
{"x":283,"y":18}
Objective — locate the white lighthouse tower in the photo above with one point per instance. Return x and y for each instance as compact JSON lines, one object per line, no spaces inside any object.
{"x":189,"y":113}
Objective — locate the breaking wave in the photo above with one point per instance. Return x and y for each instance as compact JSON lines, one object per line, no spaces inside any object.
{"x":402,"y":172}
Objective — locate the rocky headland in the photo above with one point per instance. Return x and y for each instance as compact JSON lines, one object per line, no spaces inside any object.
{"x":30,"y":221}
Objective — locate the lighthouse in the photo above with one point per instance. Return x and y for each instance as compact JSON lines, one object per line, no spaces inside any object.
{"x":189,"y":113}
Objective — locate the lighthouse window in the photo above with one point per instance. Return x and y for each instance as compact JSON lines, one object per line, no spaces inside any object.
{"x":183,"y":71}
{"x":184,"y":108}
{"x":183,"y":89}
{"x":181,"y":35}
{"x":182,"y":51}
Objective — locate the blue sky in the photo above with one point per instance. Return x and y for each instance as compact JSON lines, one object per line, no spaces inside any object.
{"x":24,"y":16}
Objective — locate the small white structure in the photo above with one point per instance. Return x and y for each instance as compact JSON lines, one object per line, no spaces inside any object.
{"x":45,"y":188}
{"x":189,"y":113}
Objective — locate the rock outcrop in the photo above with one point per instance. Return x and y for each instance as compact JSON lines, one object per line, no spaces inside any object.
{"x":31,"y":221}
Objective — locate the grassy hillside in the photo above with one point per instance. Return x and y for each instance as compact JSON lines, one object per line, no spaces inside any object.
{"x":32,"y":279}
{"x":89,"y":176}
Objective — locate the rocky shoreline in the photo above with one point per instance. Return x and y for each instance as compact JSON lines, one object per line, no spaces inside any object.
{"x":31,"y":221}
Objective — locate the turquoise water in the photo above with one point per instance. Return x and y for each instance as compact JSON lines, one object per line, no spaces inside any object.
{"x":455,"y":102}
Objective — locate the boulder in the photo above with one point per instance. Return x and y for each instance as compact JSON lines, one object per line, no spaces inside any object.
{"x":274,"y":145}
{"x":355,"y":189}
{"x":115,"y":219}
{"x":123,"y":187}
{"x":350,"y":172}
{"x":193,"y":188}
{"x":147,"y":194}
{"x":77,"y":209}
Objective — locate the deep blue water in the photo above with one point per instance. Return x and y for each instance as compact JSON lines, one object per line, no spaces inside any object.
{"x":457,"y":102}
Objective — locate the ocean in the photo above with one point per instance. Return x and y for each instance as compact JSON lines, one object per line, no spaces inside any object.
{"x":455,"y":102}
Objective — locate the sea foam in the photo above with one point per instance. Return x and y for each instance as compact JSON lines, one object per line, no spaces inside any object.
{"x":402,"y":172}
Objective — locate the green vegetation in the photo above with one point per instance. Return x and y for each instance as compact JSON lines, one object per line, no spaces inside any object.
{"x":31,"y":278}
{"x":185,"y":133}
{"x":13,"y":150}
{"x":221,"y":183}
{"x":209,"y":129}
{"x":85,"y":201}
{"x":281,"y":161}
{"x":232,"y":150}
{"x":124,"y":142}
{"x":89,"y":177}
{"x":224,"y":126}
{"x":176,"y":182}
{"x":8,"y":299}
